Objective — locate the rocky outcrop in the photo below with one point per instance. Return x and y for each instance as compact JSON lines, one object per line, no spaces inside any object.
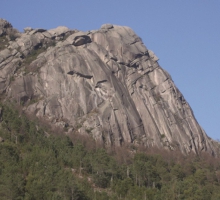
{"x":104,"y":83}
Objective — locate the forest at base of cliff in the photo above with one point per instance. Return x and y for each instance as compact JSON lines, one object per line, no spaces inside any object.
{"x":37,"y":162}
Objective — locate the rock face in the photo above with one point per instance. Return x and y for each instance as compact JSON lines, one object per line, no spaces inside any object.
{"x":105,"y":83}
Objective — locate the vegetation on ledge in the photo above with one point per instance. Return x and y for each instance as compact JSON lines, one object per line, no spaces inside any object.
{"x":3,"y":42}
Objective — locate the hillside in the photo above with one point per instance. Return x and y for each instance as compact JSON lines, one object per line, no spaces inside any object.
{"x":92,"y":115}
{"x":37,"y":162}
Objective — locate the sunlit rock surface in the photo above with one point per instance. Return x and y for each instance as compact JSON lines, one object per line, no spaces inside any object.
{"x":104,"y":83}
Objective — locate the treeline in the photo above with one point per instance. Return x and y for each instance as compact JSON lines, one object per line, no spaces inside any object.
{"x":36,"y":163}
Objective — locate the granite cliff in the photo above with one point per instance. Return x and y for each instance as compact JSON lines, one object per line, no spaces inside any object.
{"x":104,"y":83}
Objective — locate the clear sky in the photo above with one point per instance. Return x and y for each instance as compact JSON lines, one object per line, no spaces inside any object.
{"x":184,"y":34}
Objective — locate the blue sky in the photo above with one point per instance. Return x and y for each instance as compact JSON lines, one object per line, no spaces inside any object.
{"x":184,"y":34}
